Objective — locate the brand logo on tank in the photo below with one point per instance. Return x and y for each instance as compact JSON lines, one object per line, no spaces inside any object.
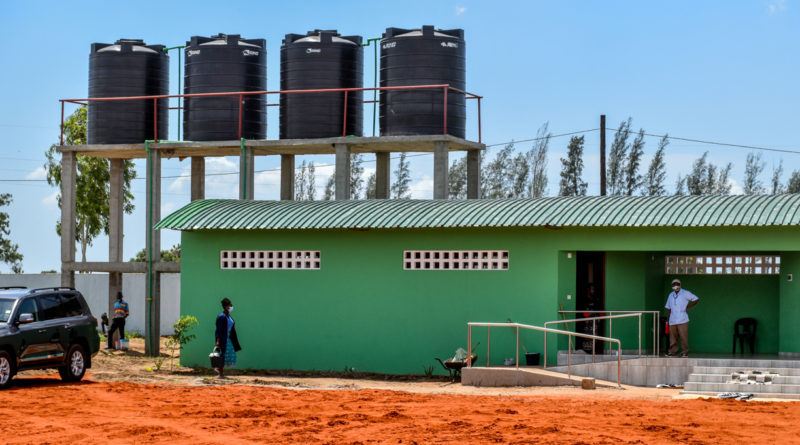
{"x":313,"y":50}
{"x":449,"y":44}
{"x":192,"y":52}
{"x":389,"y":45}
{"x":249,"y":52}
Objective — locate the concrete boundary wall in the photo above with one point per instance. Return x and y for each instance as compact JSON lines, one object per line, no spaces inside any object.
{"x":94,"y":287}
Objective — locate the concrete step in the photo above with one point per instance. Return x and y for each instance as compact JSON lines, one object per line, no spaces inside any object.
{"x":729,"y":370}
{"x":693,"y":387}
{"x":524,"y":376}
{"x":726,"y":377}
{"x":758,"y":395}
{"x":745,"y":363}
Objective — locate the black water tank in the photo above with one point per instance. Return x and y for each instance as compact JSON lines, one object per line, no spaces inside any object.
{"x":224,"y":63}
{"x":422,"y":57}
{"x":127,"y":68}
{"x":321,"y":60}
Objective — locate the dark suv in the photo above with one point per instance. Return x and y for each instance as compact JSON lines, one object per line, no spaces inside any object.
{"x":46,"y":328}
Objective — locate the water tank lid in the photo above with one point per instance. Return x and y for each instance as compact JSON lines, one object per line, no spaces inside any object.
{"x":228,"y":39}
{"x":135,"y":45}
{"x":324,"y":36}
{"x":427,"y":31}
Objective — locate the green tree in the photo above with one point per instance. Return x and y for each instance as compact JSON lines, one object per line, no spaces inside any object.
{"x":656,"y":173}
{"x":753,"y":168}
{"x":330,"y":185}
{"x":537,"y":156}
{"x":304,"y":186}
{"x":401,"y":186}
{"x":615,"y":176}
{"x":372,"y":185}
{"x":519,"y":173}
{"x":777,"y":172}
{"x":794,"y":183}
{"x":633,"y":180}
{"x":311,"y":182}
{"x":572,"y":169}
{"x":181,"y":335}
{"x":495,"y":174}
{"x":457,"y":178}
{"x":9,"y":252}
{"x":705,"y":178}
{"x":356,"y":177}
{"x":91,"y":186}
{"x":172,"y":255}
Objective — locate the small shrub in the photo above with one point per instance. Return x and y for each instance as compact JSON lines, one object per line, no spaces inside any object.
{"x":133,"y":334}
{"x":181,"y":336}
{"x":428,"y":371}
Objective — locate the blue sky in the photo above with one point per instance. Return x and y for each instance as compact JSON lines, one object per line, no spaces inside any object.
{"x":715,"y":70}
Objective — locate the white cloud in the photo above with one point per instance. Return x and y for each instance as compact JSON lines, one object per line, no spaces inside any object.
{"x":51,"y":201}
{"x":38,"y":174}
{"x":221,"y":186}
{"x":736,"y":189}
{"x":460,"y":10}
{"x":422,"y":188}
{"x":181,"y":184}
{"x":776,"y":6}
{"x":167,"y":208}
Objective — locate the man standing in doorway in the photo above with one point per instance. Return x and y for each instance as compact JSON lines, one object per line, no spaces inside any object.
{"x":678,"y":303}
{"x":120,"y":313}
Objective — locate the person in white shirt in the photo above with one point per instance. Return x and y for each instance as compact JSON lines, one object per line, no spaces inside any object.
{"x":679,"y":302}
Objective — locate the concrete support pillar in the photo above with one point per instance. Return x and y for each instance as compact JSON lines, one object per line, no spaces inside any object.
{"x":342,"y":172}
{"x":115,"y":228}
{"x":198,"y":178}
{"x":69,"y":175}
{"x":441,"y":151}
{"x":287,"y":177}
{"x":383,"y":173}
{"x":473,"y":174}
{"x":246,"y":173}
{"x":153,"y":237}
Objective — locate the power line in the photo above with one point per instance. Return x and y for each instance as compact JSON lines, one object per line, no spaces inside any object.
{"x":722,"y":144}
{"x":549,"y":136}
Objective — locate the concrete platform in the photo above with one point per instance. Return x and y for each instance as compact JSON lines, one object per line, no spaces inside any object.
{"x":263,"y":147}
{"x":523,"y":376}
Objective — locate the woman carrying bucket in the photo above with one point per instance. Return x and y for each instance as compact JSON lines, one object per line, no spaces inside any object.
{"x":226,"y":340}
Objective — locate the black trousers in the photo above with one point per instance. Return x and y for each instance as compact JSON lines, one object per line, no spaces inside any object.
{"x":117,"y":323}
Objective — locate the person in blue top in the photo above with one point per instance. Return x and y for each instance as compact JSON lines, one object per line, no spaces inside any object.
{"x":679,"y":302}
{"x":119,"y":315}
{"x":225,"y":337}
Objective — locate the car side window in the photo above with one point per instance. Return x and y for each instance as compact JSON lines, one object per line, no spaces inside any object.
{"x":29,"y":306}
{"x":51,"y":306}
{"x":71,"y":306}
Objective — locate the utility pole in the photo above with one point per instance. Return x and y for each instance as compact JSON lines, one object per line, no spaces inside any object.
{"x":602,"y":155}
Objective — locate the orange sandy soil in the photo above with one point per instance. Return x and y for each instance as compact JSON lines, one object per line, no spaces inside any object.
{"x":190,"y":407}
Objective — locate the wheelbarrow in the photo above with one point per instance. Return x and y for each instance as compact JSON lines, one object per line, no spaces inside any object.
{"x":453,"y":365}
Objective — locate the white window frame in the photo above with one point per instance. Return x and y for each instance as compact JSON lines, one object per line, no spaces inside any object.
{"x":716,"y":264}
{"x":270,"y":260}
{"x":455,"y":260}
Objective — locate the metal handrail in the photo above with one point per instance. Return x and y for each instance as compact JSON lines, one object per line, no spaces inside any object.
{"x":242,"y":94}
{"x":593,"y":319}
{"x":656,"y":326}
{"x":489,"y":325}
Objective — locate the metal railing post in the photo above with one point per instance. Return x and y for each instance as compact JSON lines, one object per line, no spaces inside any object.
{"x":640,"y":335}
{"x":241,"y":99}
{"x":344,"y":124}
{"x":469,"y":345}
{"x":479,"y":120}
{"x":545,"y":349}
{"x":488,"y":343}
{"x":594,"y":332}
{"x":517,"y":347}
{"x":445,"y":109}
{"x":61,"y":138}
{"x":155,"y":120}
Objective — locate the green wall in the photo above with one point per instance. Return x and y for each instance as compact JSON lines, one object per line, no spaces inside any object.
{"x":363,"y":311}
{"x":790,"y":304}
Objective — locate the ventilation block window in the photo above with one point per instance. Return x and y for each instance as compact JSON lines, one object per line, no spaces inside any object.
{"x":275,"y":259}
{"x":455,"y":260}
{"x":722,"y":264}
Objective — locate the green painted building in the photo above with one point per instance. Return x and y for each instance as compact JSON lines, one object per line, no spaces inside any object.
{"x":387,"y":285}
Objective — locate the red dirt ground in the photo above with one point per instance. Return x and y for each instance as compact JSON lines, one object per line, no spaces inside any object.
{"x":42,"y":410}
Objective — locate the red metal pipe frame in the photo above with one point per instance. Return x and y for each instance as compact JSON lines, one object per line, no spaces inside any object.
{"x":445,"y":87}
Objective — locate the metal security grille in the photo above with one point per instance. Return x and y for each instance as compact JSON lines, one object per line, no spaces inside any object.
{"x":455,"y":260}
{"x":723,"y":264}
{"x":269,"y":259}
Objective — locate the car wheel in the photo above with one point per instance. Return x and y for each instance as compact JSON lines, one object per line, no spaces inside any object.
{"x":6,"y":370}
{"x":75,"y":367}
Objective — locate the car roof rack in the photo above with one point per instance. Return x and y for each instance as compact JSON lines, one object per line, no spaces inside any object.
{"x":12,"y":287}
{"x":52,"y":288}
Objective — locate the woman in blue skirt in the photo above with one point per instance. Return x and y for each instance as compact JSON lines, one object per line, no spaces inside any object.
{"x":226,"y":340}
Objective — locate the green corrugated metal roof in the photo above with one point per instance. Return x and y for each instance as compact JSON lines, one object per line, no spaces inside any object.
{"x":594,"y":211}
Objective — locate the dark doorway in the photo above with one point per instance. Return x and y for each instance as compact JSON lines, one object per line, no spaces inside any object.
{"x":591,"y":296}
